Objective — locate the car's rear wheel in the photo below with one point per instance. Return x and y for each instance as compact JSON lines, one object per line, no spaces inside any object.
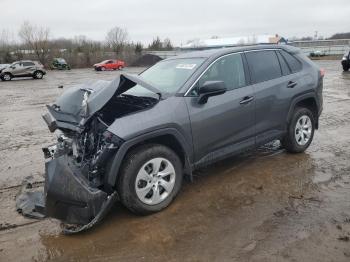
{"x":300,"y":131}
{"x":38,"y":75}
{"x":345,"y":68}
{"x":120,"y":67}
{"x":6,"y":77}
{"x":150,"y":178}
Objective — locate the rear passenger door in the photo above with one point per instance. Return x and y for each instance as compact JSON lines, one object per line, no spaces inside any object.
{"x":273,"y":86}
{"x":28,"y":68}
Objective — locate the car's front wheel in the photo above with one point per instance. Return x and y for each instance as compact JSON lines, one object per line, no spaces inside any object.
{"x":300,"y":131}
{"x":150,"y":178}
{"x":6,"y":77}
{"x":345,"y":68}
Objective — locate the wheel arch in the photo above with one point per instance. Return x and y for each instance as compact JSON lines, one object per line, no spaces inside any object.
{"x":38,"y":70}
{"x":9,"y":73}
{"x":169,"y":137}
{"x":308,"y":101}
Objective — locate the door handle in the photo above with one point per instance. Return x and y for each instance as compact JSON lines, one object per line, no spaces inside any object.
{"x":246,"y":100}
{"x":291,"y":84}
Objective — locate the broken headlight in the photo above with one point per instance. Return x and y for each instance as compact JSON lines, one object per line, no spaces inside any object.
{"x":112,"y":139}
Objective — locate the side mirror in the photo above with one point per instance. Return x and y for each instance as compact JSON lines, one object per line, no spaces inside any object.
{"x":211,"y":88}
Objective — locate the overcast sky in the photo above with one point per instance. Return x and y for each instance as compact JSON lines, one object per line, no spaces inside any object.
{"x":180,"y":20}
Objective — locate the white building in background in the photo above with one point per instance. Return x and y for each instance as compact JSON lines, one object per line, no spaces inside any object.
{"x":233,"y":41}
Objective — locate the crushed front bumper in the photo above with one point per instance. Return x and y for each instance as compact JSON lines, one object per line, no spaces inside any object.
{"x":68,"y":196}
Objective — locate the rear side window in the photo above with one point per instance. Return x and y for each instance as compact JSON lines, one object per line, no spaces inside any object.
{"x":294,"y":64}
{"x":28,"y":64}
{"x":263,"y":65}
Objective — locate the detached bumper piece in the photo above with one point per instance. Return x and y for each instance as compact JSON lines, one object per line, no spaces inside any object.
{"x":69,"y":198}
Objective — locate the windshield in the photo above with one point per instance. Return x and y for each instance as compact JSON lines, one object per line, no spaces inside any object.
{"x":61,"y":60}
{"x":170,"y":75}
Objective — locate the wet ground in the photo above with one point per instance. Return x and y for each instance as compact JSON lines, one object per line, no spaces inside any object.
{"x":265,"y":205}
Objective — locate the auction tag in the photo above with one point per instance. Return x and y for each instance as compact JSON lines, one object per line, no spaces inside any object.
{"x":186,"y":66}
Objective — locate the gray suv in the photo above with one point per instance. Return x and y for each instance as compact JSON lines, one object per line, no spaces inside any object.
{"x":24,"y":68}
{"x":137,"y":136}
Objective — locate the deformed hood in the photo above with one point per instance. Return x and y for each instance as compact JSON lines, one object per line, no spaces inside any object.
{"x":79,"y":103}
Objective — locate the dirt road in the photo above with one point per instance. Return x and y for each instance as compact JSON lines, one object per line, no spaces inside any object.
{"x":260,"y":206}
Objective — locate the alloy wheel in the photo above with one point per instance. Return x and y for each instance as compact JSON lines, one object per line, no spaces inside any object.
{"x":7,"y":77}
{"x":39,"y":75}
{"x":303,"y":130}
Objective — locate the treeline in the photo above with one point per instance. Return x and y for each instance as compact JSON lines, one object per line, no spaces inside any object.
{"x":36,"y":44}
{"x":340,"y":36}
{"x":333,"y":37}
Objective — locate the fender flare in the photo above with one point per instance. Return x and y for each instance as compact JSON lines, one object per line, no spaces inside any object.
{"x":113,"y":172}
{"x":301,"y":98}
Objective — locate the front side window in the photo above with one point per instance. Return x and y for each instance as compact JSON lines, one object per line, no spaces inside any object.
{"x":228,"y":69}
{"x":28,"y":64}
{"x":16,"y":64}
{"x":263,"y":65}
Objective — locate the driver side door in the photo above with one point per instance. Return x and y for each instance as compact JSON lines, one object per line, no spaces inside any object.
{"x":224,"y":125}
{"x":18,"y":69}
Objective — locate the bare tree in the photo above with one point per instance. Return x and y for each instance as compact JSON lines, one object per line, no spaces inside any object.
{"x":37,"y":39}
{"x":7,"y":45}
{"x":117,"y":39}
{"x":167,"y":45}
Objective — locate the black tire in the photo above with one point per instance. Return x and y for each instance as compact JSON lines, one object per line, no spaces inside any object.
{"x":128,"y":174}
{"x":6,"y":77}
{"x":345,"y":68}
{"x":289,"y":142}
{"x":38,"y":75}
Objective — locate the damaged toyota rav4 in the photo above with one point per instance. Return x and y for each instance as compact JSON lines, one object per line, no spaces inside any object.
{"x":134,"y":138}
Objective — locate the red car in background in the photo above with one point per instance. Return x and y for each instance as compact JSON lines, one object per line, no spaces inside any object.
{"x":109,"y":65}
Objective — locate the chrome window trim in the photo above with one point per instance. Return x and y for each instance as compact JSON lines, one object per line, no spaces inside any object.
{"x":239,"y":52}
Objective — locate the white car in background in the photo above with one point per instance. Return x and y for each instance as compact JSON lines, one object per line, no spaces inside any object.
{"x":2,"y":66}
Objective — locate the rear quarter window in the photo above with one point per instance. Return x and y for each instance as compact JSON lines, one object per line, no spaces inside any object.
{"x":263,"y":65}
{"x":294,"y":64}
{"x":283,"y":63}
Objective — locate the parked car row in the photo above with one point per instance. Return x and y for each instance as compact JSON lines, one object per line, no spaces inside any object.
{"x":34,"y":69}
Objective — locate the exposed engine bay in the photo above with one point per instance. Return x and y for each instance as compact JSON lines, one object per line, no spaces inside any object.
{"x":94,"y":145}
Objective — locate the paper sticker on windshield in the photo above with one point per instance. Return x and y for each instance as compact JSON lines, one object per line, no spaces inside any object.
{"x":186,"y":66}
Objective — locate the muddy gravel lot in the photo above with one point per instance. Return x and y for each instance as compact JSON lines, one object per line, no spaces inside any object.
{"x":265,"y":205}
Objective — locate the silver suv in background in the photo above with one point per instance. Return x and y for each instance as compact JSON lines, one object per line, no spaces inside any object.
{"x":25,"y":68}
